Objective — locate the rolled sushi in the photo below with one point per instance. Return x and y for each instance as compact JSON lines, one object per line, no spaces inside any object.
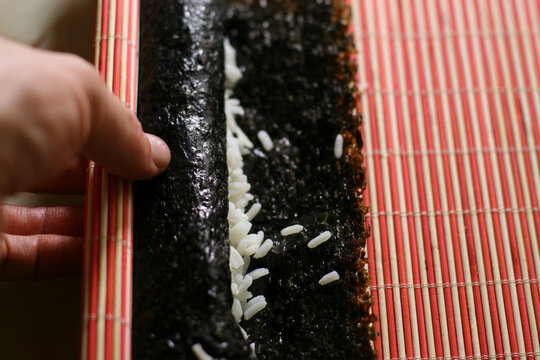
{"x":181,"y":277}
{"x":252,"y":244}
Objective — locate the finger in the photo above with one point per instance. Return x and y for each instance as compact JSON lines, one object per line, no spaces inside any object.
{"x":71,"y":181}
{"x":116,"y":140}
{"x":61,"y":220}
{"x":58,"y":106}
{"x":39,"y":256}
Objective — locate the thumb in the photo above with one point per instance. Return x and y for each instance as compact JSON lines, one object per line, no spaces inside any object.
{"x":116,"y":140}
{"x":54,"y":106}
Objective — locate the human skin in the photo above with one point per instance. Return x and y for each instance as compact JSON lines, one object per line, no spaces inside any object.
{"x":55,"y":110}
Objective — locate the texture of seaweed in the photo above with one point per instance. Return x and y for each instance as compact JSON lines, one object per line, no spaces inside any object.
{"x":298,"y":85}
{"x":182,"y":280}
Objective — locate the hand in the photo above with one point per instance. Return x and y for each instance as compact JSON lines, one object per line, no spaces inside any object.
{"x":54,"y":107}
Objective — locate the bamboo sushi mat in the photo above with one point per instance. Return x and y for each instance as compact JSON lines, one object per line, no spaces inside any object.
{"x":452,"y":141}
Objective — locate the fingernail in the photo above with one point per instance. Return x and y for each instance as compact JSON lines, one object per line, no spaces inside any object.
{"x":161,"y":155}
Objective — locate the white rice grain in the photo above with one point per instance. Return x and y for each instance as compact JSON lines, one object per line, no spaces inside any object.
{"x":232,"y":73}
{"x":328,"y":278}
{"x":238,"y":278}
{"x":247,"y":242}
{"x":260,"y":237}
{"x":245,"y":284}
{"x":293,"y":229}
{"x":199,"y":352}
{"x":237,"y":310}
{"x":265,"y":140}
{"x":243,"y":244}
{"x":243,"y":202}
{"x":230,"y":51}
{"x":252,"y":250}
{"x":241,"y":187}
{"x":338,"y":146}
{"x":247,"y":262}
{"x":244,"y":333}
{"x":253,"y":211}
{"x":259,"y":273}
{"x":239,"y":231}
{"x":233,"y":104}
{"x":244,"y":296}
{"x":253,"y":306}
{"x":236,"y":215}
{"x":319,"y":239}
{"x":235,"y":259}
{"x":264,"y":249}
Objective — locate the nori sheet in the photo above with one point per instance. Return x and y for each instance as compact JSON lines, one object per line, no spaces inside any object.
{"x":298,"y":85}
{"x":181,"y":282}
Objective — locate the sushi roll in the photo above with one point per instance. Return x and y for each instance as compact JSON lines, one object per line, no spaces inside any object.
{"x":181,"y":276}
{"x":252,"y":244}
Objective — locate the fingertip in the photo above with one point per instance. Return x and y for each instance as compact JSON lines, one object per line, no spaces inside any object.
{"x":161,"y":155}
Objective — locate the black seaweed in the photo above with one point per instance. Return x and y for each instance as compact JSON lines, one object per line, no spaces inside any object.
{"x":181,"y":280}
{"x":298,"y":85}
